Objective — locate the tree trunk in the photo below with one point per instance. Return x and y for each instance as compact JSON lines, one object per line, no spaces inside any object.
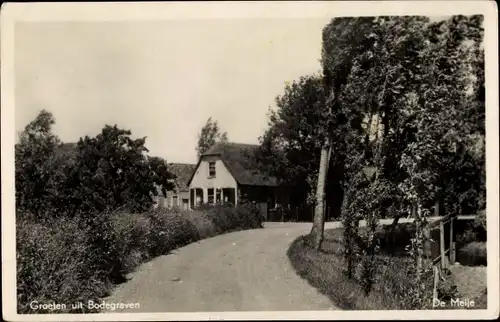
{"x":420,"y":232}
{"x":316,"y":234}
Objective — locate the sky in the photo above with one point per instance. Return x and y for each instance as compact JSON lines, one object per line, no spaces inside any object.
{"x":161,"y":79}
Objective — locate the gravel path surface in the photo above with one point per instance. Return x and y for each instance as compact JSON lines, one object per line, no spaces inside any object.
{"x":240,"y":271}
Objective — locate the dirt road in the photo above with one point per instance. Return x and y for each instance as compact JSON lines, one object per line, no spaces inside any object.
{"x":241,"y":271}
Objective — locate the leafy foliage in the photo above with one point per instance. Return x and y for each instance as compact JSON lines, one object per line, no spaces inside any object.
{"x":111,"y":171}
{"x":419,"y":93}
{"x":401,"y":95}
{"x":209,"y":135}
{"x":38,"y":171}
{"x":102,"y":173}
{"x":66,"y":260}
{"x":291,"y":146}
{"x":85,"y":218}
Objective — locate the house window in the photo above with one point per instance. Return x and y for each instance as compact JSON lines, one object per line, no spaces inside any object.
{"x":211,"y":169}
{"x":199,"y":197}
{"x":218,"y":195}
{"x":175,"y":202}
{"x":211,"y":196}
{"x":192,"y":197}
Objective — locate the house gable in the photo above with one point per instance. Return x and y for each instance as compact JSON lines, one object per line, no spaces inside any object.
{"x":240,"y":160}
{"x":223,"y":177}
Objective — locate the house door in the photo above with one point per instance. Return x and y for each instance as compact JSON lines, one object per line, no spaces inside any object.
{"x":185,"y":204}
{"x":229,"y":195}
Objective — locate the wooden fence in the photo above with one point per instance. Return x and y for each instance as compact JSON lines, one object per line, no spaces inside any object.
{"x":443,"y":246}
{"x":444,"y":242}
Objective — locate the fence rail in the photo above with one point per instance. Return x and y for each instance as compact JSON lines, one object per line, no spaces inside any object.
{"x":447,"y":253}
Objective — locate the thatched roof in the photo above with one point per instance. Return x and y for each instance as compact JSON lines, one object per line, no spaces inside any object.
{"x":183,"y":172}
{"x":240,"y":160}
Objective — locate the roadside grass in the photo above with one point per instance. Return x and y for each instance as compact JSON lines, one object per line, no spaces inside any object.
{"x":69,"y":260}
{"x":325,"y":270}
{"x":471,"y":284}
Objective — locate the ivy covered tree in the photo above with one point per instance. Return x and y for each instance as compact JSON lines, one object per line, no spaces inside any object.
{"x":440,"y":128}
{"x":412,"y":79}
{"x":399,"y":114}
{"x":346,"y":42}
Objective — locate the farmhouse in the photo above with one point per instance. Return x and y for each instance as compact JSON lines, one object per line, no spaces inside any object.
{"x":229,"y":173}
{"x":179,"y":197}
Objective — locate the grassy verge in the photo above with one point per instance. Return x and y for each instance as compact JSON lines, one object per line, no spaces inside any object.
{"x":324,"y":270}
{"x":69,"y":260}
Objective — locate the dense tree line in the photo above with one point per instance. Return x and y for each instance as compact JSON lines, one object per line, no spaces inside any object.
{"x":403,"y":96}
{"x":97,"y":174}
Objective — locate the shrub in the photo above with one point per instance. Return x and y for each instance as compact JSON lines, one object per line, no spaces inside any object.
{"x":134,"y":231}
{"x":51,"y":264}
{"x":106,"y":249}
{"x":394,"y":241}
{"x":227,"y":217}
{"x":69,"y":260}
{"x":170,"y":230}
{"x":248,"y":216}
{"x":222,"y":216}
{"x":205,"y":227}
{"x":447,"y":289}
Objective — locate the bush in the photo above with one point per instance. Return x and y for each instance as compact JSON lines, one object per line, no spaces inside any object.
{"x":170,"y":230}
{"x":394,"y":241}
{"x":447,"y":289}
{"x":52,"y":266}
{"x":73,"y":260}
{"x":205,"y":228}
{"x":134,"y":231}
{"x":228,"y":218}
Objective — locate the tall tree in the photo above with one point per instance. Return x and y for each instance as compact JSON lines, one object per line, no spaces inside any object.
{"x":291,"y":146}
{"x":382,"y":75}
{"x":209,"y":135}
{"x":112,"y":171}
{"x":38,"y":172}
{"x":439,"y":123}
{"x":343,"y":40}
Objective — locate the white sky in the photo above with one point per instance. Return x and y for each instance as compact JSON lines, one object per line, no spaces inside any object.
{"x":161,"y":79}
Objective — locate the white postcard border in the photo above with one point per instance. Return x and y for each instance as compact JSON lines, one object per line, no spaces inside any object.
{"x":128,"y":11}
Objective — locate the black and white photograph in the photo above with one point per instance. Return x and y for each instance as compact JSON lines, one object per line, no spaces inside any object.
{"x":250,"y":160}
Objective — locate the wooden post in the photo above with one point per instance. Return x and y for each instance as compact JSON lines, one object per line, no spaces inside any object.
{"x":441,"y":244}
{"x":436,"y":208}
{"x":436,"y":281}
{"x":452,"y":243}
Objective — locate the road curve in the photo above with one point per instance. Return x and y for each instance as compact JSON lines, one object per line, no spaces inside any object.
{"x":241,"y":271}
